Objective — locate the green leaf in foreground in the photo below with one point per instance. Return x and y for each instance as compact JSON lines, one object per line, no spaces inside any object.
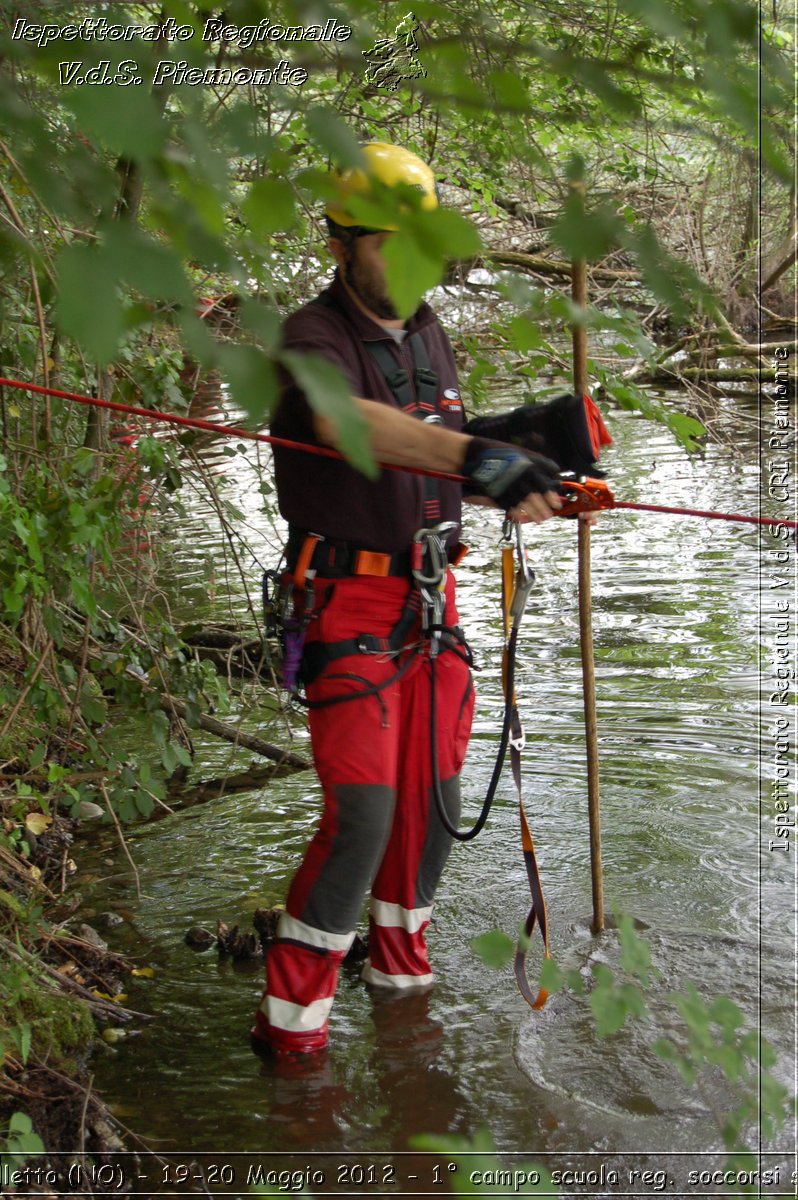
{"x":583,"y":234}
{"x":126,"y":119}
{"x":635,"y":950}
{"x":252,"y":378}
{"x":334,"y":136}
{"x":442,"y":233}
{"x":89,"y":307}
{"x":551,"y":977}
{"x":686,"y":429}
{"x":269,"y":207}
{"x":331,"y":397}
{"x":495,"y":949}
{"x":410,"y":272}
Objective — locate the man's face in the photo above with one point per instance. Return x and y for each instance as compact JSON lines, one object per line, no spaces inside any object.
{"x":364,"y":271}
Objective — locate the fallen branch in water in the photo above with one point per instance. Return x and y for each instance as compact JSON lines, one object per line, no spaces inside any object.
{"x":220,"y":637}
{"x":225,"y":785}
{"x":666,"y":369}
{"x":229,"y":733}
{"x":237,"y":737}
{"x":235,"y":661}
{"x":669,"y":374}
{"x":736,"y":350}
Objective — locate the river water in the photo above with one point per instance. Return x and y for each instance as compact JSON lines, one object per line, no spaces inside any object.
{"x":676,"y":605}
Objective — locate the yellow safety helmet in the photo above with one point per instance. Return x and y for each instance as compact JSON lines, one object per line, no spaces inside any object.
{"x":389,"y":165}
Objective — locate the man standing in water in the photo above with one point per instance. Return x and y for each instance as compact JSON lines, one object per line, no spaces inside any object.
{"x":352,"y":549}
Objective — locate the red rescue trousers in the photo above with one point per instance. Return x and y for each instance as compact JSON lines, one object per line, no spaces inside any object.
{"x":380,"y":831}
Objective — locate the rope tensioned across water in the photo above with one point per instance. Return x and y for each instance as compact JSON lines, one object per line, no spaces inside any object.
{"x":151,"y":414}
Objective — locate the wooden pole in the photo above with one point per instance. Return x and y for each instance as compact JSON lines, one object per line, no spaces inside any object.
{"x":579,"y":334}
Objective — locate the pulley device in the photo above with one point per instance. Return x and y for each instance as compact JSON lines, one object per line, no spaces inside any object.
{"x":593,"y":495}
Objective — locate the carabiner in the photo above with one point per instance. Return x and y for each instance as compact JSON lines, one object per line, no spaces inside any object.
{"x":524,"y":575}
{"x":431,"y":541}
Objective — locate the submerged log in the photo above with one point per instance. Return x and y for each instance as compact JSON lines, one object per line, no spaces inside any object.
{"x":219,"y":637}
{"x":231,"y":652}
{"x":225,"y":785}
{"x":170,"y":704}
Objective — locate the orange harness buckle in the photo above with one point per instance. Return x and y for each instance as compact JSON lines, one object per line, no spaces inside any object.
{"x":370,"y":562}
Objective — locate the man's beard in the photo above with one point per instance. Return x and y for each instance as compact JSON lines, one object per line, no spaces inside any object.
{"x":372,"y":295}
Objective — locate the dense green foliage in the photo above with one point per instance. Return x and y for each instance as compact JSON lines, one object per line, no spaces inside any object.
{"x":129,"y":201}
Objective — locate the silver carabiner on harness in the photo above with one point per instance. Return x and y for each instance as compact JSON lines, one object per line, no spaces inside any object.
{"x":431,"y":544}
{"x":431,"y":565}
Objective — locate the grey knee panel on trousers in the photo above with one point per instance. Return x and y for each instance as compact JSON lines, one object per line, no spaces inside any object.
{"x":365,"y":814}
{"x":438,"y":842}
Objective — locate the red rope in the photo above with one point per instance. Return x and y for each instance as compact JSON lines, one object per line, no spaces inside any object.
{"x":697,"y":512}
{"x":151,"y":414}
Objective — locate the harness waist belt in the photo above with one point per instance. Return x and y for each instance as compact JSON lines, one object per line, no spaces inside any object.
{"x":334,"y":559}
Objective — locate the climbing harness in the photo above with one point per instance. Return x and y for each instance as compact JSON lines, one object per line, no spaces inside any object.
{"x":417,"y":396}
{"x":418,"y":399}
{"x":287,"y":612}
{"x":313,"y":558}
{"x":293,"y":596}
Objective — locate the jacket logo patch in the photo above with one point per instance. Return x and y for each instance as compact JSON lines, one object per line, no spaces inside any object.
{"x":451,"y":400}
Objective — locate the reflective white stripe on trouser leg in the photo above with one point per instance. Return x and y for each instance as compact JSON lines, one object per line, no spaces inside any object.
{"x":295,"y":930}
{"x":370,"y":974}
{"x":294,"y":1017}
{"x":393,"y":916}
{"x":290,"y":979}
{"x":411,"y":921}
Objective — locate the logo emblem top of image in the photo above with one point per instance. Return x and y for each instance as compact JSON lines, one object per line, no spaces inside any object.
{"x":393,"y":59}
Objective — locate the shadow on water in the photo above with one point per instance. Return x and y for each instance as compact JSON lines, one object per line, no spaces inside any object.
{"x":676,"y":633}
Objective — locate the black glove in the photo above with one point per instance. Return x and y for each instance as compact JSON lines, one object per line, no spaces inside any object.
{"x":558,"y":429}
{"x":507,"y":474}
